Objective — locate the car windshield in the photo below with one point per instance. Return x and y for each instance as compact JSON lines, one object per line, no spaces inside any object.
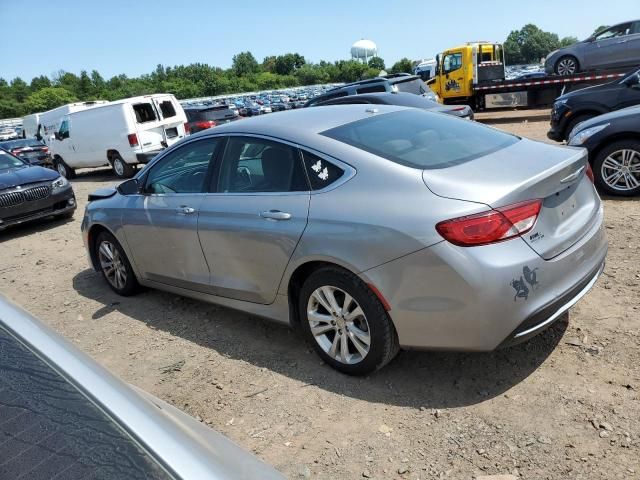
{"x":421,"y":139}
{"x":8,"y":161}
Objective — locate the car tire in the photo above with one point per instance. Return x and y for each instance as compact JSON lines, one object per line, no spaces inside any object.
{"x":567,"y":65}
{"x":63,"y":169}
{"x":121,"y":168}
{"x":115,"y":266}
{"x":617,"y":156}
{"x":366,"y":320}
{"x":571,"y":124}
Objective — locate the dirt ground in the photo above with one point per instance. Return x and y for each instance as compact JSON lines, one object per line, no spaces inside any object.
{"x":564,"y":405}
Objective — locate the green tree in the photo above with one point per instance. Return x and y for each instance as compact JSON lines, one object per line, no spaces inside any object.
{"x":269,"y":64}
{"x":566,"y":41}
{"x":85,"y":87}
{"x":530,"y":44}
{"x":244,"y":63}
{"x":19,"y":89}
{"x":310,"y":74}
{"x":376,"y":63}
{"x":404,"y":65}
{"x":288,"y":63}
{"x":38,"y":83}
{"x":48,"y":98}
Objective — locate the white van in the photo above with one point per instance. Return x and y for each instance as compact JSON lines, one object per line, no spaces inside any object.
{"x":43,"y":125}
{"x":122,"y":134}
{"x":426,"y":69}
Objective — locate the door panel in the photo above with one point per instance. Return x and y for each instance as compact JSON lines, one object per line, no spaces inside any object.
{"x":161,"y":225}
{"x":250,"y":228}
{"x":453,"y":73}
{"x":246,"y":251}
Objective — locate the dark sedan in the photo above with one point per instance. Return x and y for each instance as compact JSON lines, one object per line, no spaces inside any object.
{"x":613,"y":141}
{"x":202,"y":117}
{"x":401,"y":99}
{"x":30,"y":150}
{"x":28,"y":192}
{"x":580,"y":105}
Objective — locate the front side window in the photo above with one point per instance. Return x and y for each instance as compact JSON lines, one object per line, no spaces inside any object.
{"x":451,"y":62}
{"x":184,"y":170}
{"x":617,"y":31}
{"x":167,"y":109}
{"x":255,"y":165}
{"x":64,"y":129}
{"x":144,"y":112}
{"x":421,"y":139}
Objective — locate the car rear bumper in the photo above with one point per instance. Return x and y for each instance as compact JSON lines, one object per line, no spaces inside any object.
{"x":477,"y":299}
{"x":55,"y":204}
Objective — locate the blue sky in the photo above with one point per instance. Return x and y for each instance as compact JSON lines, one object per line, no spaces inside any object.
{"x":132,"y":37}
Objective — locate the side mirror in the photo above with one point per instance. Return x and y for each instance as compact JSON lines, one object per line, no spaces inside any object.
{"x":129,"y":187}
{"x":57,"y":135}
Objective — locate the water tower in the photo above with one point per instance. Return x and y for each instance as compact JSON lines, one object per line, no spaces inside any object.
{"x":363,"y":50}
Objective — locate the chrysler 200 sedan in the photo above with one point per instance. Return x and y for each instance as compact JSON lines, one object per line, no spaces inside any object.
{"x":372,"y":229}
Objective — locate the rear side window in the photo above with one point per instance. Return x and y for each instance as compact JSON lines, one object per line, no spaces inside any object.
{"x":415,"y":86}
{"x":421,"y":139}
{"x":321,"y":173}
{"x":167,"y":109}
{"x":144,"y":112}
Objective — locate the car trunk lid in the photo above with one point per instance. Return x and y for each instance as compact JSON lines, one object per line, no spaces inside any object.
{"x":528,"y":170}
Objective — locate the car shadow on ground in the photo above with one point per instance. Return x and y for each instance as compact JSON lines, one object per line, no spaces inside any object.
{"x":416,"y":379}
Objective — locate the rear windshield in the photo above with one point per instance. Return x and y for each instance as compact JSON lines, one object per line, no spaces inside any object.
{"x":144,"y":113}
{"x":415,"y":86}
{"x":21,"y":143}
{"x":421,"y":139}
{"x":215,"y":113}
{"x":167,"y":109}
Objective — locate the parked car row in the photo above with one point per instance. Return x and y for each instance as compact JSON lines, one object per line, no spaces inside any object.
{"x":606,"y":120}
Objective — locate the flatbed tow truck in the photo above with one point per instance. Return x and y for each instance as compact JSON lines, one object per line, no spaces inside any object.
{"x":474,"y":74}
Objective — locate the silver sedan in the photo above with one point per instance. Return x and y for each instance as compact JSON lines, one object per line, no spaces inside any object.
{"x":370,"y":228}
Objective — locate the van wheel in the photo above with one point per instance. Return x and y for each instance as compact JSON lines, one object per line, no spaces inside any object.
{"x":63,"y":169}
{"x":121,"y":168}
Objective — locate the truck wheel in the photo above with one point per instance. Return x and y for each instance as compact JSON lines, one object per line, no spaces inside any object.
{"x":616,"y":168}
{"x":121,"y":168}
{"x":63,"y":169}
{"x":567,"y":65}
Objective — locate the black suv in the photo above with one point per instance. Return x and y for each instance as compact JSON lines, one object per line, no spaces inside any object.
{"x":399,"y":82}
{"x":575,"y":107}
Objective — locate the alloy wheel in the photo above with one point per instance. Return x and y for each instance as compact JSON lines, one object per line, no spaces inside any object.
{"x":339,"y":325}
{"x":567,"y":66}
{"x":621,"y":170}
{"x":112,"y":265}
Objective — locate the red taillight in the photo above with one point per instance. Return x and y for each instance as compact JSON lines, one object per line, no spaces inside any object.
{"x":589,"y":172}
{"x":205,"y":124}
{"x":492,"y":226}
{"x":45,"y":149}
{"x":187,"y":128}
{"x":16,"y":151}
{"x":133,"y":139}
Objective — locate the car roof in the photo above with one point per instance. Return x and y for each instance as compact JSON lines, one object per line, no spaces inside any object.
{"x":299,"y":123}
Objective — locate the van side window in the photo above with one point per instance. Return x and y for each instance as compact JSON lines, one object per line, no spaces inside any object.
{"x":64,"y":129}
{"x":320,"y":172}
{"x":144,"y":113}
{"x":167,"y":109}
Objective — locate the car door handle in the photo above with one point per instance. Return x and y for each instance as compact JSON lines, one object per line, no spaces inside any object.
{"x":275,"y":215}
{"x":621,"y":41}
{"x":184,"y":210}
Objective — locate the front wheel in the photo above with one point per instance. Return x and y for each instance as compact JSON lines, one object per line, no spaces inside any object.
{"x":63,"y":169}
{"x":121,"y":168}
{"x":616,"y":168}
{"x":567,"y":65}
{"x":346,"y":323}
{"x":115,"y":266}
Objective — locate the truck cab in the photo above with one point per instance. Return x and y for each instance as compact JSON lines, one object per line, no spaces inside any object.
{"x":460,"y":68}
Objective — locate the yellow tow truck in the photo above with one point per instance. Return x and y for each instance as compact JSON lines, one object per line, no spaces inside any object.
{"x":474,"y":74}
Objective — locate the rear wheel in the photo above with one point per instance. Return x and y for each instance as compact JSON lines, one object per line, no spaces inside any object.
{"x":121,"y":168}
{"x":616,"y":168}
{"x":346,"y":323}
{"x":567,"y":65}
{"x":115,"y":266}
{"x":63,"y":169}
